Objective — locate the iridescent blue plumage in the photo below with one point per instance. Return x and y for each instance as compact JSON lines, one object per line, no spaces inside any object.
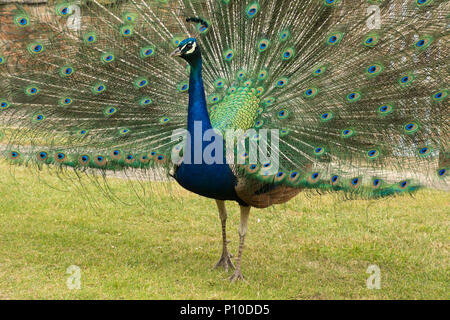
{"x":216,"y":180}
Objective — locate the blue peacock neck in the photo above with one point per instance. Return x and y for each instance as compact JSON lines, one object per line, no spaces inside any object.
{"x":197,"y":109}
{"x":210,"y":180}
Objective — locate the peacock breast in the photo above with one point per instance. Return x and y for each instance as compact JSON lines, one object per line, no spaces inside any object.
{"x":237,"y":110}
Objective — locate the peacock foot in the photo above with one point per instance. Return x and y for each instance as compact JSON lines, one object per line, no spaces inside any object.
{"x":225,"y":261}
{"x":237,"y":275}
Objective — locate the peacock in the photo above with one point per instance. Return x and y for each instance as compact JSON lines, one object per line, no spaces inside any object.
{"x":343,"y":96}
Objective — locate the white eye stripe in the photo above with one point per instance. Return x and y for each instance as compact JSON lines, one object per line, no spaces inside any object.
{"x":194,"y":45}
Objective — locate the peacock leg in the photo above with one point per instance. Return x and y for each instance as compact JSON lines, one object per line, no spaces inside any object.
{"x":225,"y":259}
{"x":245,"y":212}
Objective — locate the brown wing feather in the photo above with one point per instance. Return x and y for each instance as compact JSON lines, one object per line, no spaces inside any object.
{"x":277,"y":195}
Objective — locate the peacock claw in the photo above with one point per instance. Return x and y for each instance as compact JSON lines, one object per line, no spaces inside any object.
{"x":237,"y":275}
{"x":225,"y":261}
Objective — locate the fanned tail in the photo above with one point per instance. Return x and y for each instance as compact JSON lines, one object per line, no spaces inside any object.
{"x":106,"y":96}
{"x":359,"y":93}
{"x":358,"y":89}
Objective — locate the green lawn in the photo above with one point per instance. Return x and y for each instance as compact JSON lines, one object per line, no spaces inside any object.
{"x":314,"y":247}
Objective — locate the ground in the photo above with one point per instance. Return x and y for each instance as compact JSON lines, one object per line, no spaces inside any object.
{"x":314,"y":247}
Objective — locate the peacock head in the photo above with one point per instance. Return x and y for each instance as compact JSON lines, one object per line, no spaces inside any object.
{"x":188,"y":49}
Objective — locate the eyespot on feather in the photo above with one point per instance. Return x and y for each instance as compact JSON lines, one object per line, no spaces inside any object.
{"x":107,"y":57}
{"x":334,"y":38}
{"x":371,"y":40}
{"x":314,"y":177}
{"x":411,"y":127}
{"x":330,"y":3}
{"x":100,"y":160}
{"x":353,"y":97}
{"x":355,"y":182}
{"x":14,"y":155}
{"x":60,"y":157}
{"x":66,"y":71}
{"x":145,"y":101}
{"x":90,"y":38}
{"x":385,"y":109}
{"x":140,"y":82}
{"x":21,"y":20}
{"x":109,"y":111}
{"x":228,"y":55}
{"x":4,"y":104}
{"x":126,"y":30}
{"x":310,"y":93}
{"x":42,"y":156}
{"x":288,"y":54}
{"x":263,"y":45}
{"x":116,"y":154}
{"x":36,"y":48}
{"x":327,"y":116}
{"x":347,"y":133}
{"x":98,"y":88}
{"x":252,"y":10}
{"x":284,"y":35}
{"x":84,"y":159}
{"x":334,"y":180}
{"x":406,"y":80}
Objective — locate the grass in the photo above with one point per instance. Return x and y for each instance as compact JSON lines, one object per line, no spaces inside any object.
{"x":314,"y":247}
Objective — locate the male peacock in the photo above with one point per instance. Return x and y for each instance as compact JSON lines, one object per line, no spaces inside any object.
{"x":356,"y":90}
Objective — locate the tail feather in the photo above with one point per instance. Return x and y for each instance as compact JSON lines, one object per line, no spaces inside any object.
{"x":358,"y":88}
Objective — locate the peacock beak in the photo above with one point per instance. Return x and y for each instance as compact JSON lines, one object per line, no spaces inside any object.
{"x":176,"y":53}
